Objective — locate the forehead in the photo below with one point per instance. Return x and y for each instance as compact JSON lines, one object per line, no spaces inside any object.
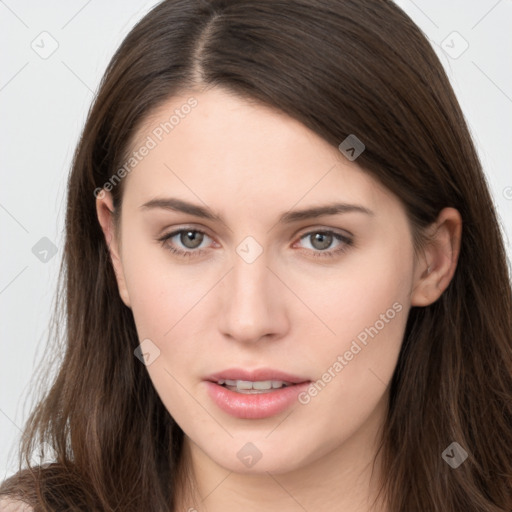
{"x":219,"y":147}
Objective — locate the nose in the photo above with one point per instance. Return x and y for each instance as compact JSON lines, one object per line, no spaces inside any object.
{"x":252,"y":302}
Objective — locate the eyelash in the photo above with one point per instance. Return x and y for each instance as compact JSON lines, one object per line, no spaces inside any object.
{"x":347,"y":243}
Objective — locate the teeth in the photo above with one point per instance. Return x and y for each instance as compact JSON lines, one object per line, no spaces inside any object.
{"x":265,"y":384}
{"x":246,"y":385}
{"x":243,"y":384}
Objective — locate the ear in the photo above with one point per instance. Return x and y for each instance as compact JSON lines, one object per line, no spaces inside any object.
{"x":434,"y":272}
{"x":105,"y":212}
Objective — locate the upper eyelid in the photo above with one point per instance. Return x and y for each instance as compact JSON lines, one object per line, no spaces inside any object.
{"x":342,"y":233}
{"x":308,"y":230}
{"x":177,"y":231}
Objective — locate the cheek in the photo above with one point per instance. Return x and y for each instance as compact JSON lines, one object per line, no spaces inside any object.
{"x":353,"y":295}
{"x":160,"y":292}
{"x":163,"y":302}
{"x":364,"y":305}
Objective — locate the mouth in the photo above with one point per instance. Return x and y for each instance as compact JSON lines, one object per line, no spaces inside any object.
{"x":248,"y":387}
{"x":255,"y":382}
{"x":255,"y":394}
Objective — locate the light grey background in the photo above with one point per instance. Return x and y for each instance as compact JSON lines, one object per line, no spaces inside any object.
{"x":44,"y":102}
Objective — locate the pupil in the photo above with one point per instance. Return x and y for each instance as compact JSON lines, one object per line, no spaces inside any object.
{"x":324,"y":239}
{"x":191,"y":239}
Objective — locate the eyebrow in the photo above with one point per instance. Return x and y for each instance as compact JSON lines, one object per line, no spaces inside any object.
{"x":178,"y":205}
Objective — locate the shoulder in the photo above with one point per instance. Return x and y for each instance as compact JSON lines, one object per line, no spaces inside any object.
{"x":62,"y":485}
{"x":11,"y":505}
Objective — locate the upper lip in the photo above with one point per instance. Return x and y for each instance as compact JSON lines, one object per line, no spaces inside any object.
{"x":260,"y":374}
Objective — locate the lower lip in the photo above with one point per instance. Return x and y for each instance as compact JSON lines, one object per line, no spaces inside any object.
{"x":254,"y":406}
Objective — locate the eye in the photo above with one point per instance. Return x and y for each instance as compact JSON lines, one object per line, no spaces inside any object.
{"x":321,"y":240}
{"x":186,"y":241}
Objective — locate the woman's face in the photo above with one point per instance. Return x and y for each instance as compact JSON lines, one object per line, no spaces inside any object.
{"x":251,"y":283}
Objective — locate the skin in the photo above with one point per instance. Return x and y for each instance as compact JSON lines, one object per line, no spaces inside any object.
{"x":287,"y":310}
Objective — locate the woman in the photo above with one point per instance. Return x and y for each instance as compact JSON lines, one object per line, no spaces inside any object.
{"x":285,"y":285}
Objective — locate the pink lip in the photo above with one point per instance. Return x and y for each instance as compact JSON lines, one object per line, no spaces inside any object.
{"x":257,"y":406}
{"x":254,"y":406}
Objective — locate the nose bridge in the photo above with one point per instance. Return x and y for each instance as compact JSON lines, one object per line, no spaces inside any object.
{"x":251,"y":306}
{"x":250,"y":279}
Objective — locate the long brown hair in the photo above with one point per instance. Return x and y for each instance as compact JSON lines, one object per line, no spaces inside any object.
{"x":340,"y":67}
